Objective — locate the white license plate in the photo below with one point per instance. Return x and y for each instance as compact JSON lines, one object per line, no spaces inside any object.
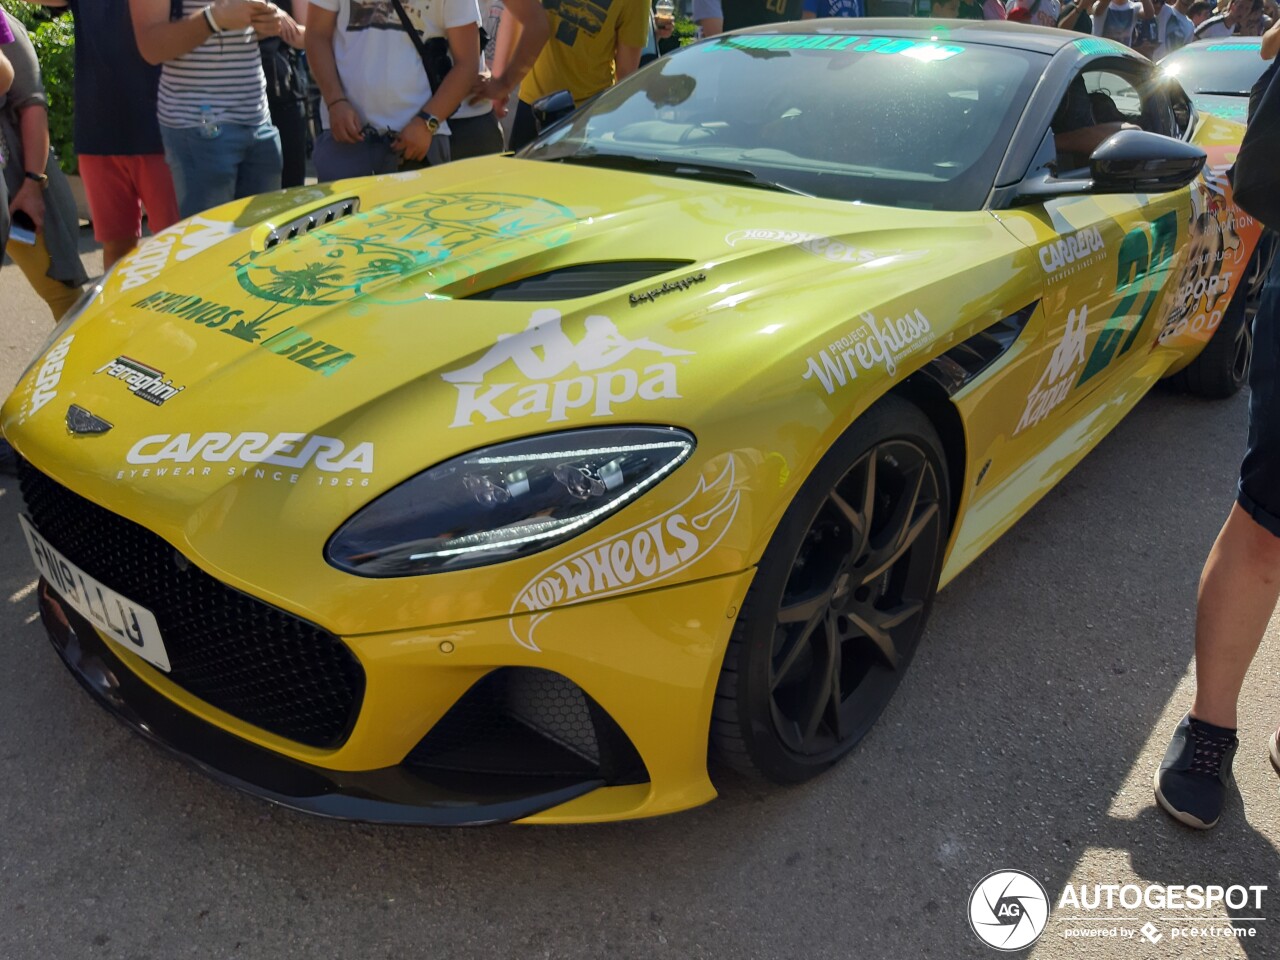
{"x":119,"y":618}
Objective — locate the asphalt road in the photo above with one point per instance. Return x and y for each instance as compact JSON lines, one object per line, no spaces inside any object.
{"x":1025,"y":736}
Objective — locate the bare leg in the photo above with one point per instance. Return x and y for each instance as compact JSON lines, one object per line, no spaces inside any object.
{"x":1238,"y":593}
{"x":113,"y":250}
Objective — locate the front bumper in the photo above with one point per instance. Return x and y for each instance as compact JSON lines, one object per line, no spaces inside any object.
{"x":650,"y":661}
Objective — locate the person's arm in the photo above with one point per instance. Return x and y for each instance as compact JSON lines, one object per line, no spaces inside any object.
{"x":292,"y":31}
{"x":345,"y":123}
{"x":6,"y":73}
{"x":1068,"y":19}
{"x":160,"y":39}
{"x":626,"y":60}
{"x":464,"y":48}
{"x":528,"y":30}
{"x":1148,"y":10}
{"x":1271,"y":42}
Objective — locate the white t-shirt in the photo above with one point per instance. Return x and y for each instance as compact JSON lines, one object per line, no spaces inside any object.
{"x":378,"y":64}
{"x":1214,"y":28}
{"x":1117,"y":20}
{"x":1176,"y":30}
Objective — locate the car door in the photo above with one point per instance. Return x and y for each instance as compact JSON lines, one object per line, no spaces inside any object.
{"x":1105,"y":257}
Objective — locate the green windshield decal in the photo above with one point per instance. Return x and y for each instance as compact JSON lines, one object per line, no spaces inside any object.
{"x":917,"y":49}
{"x":1091,"y":45}
{"x":1233,"y":46}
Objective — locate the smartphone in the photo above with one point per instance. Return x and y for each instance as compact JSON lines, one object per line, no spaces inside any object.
{"x":22,"y":229}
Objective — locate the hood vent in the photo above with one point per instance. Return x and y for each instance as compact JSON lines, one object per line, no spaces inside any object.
{"x":312,"y":219}
{"x":580,"y":280}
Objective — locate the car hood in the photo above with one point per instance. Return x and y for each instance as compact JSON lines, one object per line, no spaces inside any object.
{"x":235,"y":360}
{"x":1224,"y":106}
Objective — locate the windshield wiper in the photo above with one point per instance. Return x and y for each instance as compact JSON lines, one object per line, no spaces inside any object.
{"x":677,"y":168}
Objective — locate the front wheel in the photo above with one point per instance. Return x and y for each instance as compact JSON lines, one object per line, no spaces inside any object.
{"x":839,"y":601}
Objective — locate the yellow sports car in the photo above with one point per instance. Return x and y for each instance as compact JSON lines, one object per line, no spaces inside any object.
{"x":508,"y":489}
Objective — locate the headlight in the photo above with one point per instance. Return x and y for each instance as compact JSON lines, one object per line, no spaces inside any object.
{"x":505,"y":501}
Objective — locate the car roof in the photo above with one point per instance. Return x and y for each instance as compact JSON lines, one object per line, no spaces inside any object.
{"x":1020,"y":36}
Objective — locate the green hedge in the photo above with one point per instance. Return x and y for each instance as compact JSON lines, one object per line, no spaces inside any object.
{"x":54,"y":41}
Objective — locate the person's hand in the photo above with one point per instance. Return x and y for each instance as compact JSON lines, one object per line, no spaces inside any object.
{"x":491,"y":88}
{"x":30,"y":200}
{"x":238,"y":14}
{"x":663,"y":28}
{"x":345,"y":123}
{"x":291,"y":33}
{"x":414,"y":141}
{"x":501,"y":108}
{"x":269,"y":23}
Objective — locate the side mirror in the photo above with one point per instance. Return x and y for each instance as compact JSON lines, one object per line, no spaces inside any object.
{"x":1135,"y":161}
{"x":552,"y":108}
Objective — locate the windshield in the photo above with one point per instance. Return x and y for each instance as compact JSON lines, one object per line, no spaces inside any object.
{"x":1216,"y":67}
{"x":878,"y":120}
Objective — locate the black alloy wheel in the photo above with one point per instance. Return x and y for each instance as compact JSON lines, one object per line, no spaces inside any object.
{"x":839,"y":602}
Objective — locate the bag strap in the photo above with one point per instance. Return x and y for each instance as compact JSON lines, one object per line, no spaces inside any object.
{"x":413,"y":35}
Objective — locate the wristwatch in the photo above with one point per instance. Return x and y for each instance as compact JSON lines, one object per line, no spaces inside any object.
{"x":430,"y":119}
{"x":40,"y":178}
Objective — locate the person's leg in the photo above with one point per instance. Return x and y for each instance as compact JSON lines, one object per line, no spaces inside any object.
{"x":155,"y":186}
{"x":260,"y":162}
{"x":474,"y":136}
{"x":290,"y":118}
{"x":340,"y":161}
{"x":204,"y":170}
{"x":115,"y":204}
{"x":33,"y":260}
{"x":525,"y":127}
{"x":1239,"y":589}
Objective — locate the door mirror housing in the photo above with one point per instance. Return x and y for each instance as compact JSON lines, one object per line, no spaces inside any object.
{"x":1129,"y":161}
{"x":552,"y":108}
{"x":1135,"y":161}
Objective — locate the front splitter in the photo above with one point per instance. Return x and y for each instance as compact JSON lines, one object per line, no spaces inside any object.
{"x":393,"y":795}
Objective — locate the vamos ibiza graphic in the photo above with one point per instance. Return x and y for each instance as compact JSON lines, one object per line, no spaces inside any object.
{"x":145,"y":382}
{"x":635,"y":559}
{"x":334,"y":459}
{"x":544,"y":354}
{"x":1072,"y":253}
{"x":45,"y":387}
{"x":884,"y":344}
{"x":1059,"y":377}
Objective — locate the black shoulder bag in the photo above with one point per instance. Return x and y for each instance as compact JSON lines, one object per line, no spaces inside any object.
{"x":1254,"y":178}
{"x":434,"y":52}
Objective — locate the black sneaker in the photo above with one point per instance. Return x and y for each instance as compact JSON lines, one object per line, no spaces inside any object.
{"x":1191,"y":784}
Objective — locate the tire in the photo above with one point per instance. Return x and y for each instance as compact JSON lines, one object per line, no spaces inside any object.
{"x":803,"y":680}
{"x":1222,"y":367}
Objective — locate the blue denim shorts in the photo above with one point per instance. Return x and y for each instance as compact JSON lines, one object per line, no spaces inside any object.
{"x":1259,"y":492}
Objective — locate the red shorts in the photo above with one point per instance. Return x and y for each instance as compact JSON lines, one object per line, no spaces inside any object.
{"x":119,"y":187}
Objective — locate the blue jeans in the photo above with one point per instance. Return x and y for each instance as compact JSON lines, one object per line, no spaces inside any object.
{"x":240,"y":162}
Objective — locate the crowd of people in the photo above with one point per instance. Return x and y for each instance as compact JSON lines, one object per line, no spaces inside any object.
{"x":182,"y":105}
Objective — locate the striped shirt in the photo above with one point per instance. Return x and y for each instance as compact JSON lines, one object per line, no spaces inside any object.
{"x":224,"y":73}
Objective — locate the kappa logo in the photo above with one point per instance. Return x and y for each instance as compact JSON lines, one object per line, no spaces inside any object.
{"x":637,"y":558}
{"x":180,"y":242}
{"x":1055,"y":383}
{"x":543,"y":353}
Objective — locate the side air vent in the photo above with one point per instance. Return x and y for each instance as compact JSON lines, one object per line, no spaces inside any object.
{"x":312,"y":219}
{"x":965,"y":361}
{"x":580,"y":280}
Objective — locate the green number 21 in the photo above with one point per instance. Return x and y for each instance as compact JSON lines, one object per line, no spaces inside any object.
{"x":1137,"y":266}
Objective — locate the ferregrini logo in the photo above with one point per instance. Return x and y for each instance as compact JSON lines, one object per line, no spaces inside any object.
{"x":1008,"y":910}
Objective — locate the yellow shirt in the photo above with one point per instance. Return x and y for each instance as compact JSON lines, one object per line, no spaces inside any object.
{"x":579,"y":55}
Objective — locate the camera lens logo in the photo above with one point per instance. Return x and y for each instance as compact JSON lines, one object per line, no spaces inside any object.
{"x":1008,"y":910}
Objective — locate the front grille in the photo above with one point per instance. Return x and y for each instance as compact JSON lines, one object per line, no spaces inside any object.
{"x":238,"y":654}
{"x":524,"y":721}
